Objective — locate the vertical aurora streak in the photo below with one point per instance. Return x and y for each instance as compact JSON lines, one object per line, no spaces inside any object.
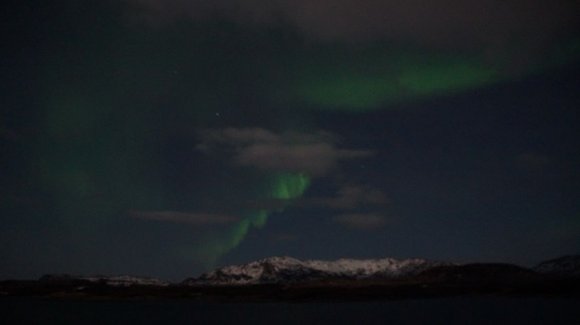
{"x":281,"y":186}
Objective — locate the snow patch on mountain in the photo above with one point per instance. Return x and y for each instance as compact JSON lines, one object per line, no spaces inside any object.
{"x":288,"y":269}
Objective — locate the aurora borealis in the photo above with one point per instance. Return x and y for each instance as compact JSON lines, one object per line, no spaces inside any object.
{"x":281,"y":187}
{"x":167,"y":137}
{"x":360,"y":90}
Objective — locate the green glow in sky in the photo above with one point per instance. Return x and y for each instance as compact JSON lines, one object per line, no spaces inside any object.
{"x":355,"y":92}
{"x":350,"y":85}
{"x":283,"y":186}
{"x":420,"y":80}
{"x":289,"y":186}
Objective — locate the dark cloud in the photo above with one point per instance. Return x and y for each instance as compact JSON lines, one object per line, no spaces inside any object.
{"x":347,"y":198}
{"x":314,"y":154}
{"x":8,"y":134}
{"x":492,"y":24}
{"x":195,"y":219}
{"x":242,"y":136}
{"x":361,"y":221}
{"x":351,"y":197}
{"x":532,"y":161}
{"x":283,"y":237}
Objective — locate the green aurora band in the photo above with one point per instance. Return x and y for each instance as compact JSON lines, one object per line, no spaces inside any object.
{"x":376,"y":78}
{"x":352,"y":87}
{"x":282,"y":186}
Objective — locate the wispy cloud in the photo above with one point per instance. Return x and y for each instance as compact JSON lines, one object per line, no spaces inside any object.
{"x":450,"y":23}
{"x":361,"y":221}
{"x":314,"y":159}
{"x":283,"y":237}
{"x":347,"y":197}
{"x":314,"y":154}
{"x":532,"y":161}
{"x":353,"y":196}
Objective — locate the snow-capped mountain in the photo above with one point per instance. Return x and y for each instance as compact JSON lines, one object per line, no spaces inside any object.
{"x":287,"y":269}
{"x":114,"y":280}
{"x":566,"y":266}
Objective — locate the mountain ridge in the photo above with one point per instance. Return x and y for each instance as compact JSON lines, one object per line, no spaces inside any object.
{"x":567,"y":265}
{"x":286,"y":269}
{"x":290,"y":279}
{"x":280,"y":269}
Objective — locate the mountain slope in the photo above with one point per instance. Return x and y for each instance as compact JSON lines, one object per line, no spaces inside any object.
{"x":562,"y":266}
{"x":287,"y":269}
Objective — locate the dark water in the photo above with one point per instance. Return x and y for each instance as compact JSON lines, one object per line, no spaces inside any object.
{"x":472,"y":310}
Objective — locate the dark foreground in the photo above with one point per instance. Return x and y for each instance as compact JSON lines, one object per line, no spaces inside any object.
{"x":335,"y":290}
{"x":455,"y":310}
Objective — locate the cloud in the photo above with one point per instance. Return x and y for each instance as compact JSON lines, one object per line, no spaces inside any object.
{"x":448,"y":23}
{"x":241,"y":136}
{"x":283,"y":237}
{"x":314,"y":154}
{"x":347,"y":198}
{"x":532,"y":161}
{"x":196,"y":219}
{"x":313,"y":159}
{"x":361,"y":221}
{"x":351,"y":197}
{"x":8,"y":134}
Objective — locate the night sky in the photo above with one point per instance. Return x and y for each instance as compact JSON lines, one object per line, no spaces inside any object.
{"x":168,"y":137}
